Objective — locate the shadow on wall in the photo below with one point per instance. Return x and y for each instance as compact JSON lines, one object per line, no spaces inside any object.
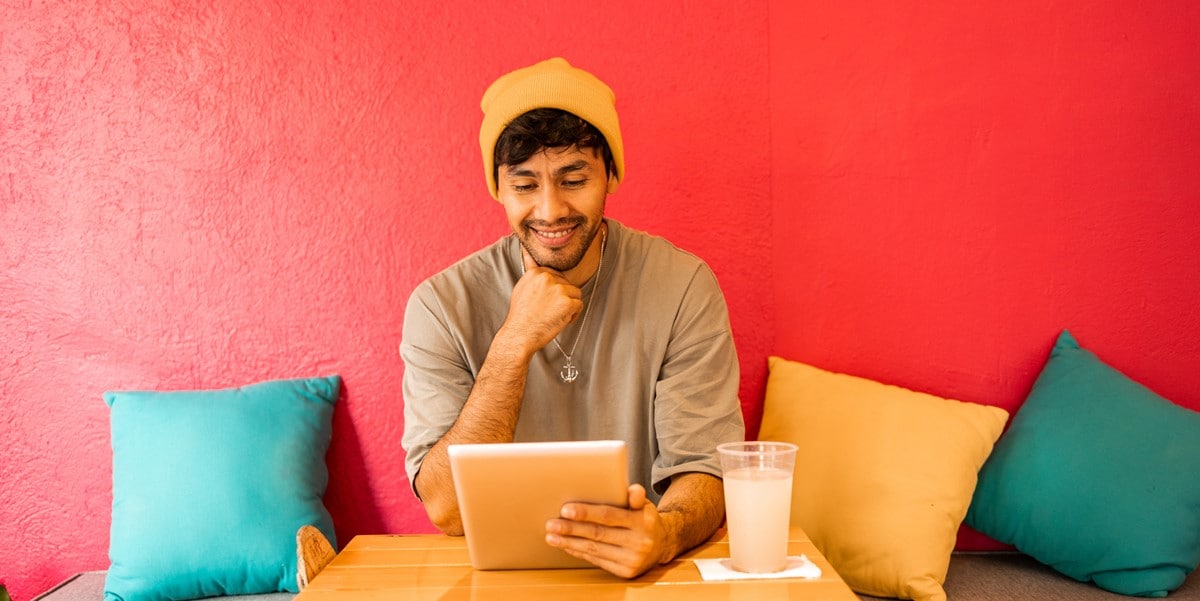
{"x":349,"y":496}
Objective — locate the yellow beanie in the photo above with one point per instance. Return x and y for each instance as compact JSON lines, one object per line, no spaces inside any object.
{"x":552,"y":83}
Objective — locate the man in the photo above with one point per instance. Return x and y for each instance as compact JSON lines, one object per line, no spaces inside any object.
{"x":574,"y":328}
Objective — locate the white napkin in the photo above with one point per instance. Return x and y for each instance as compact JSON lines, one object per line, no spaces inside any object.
{"x":722,"y":569}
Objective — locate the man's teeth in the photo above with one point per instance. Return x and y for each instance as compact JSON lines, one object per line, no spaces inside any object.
{"x":554,"y":234}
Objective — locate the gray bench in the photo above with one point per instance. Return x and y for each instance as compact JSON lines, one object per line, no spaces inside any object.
{"x":1019,"y":577}
{"x":89,"y":586}
{"x":972,"y":577}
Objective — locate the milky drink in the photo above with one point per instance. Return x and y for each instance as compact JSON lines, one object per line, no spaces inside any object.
{"x":758,"y":502}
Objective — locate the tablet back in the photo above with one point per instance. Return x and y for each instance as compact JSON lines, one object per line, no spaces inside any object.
{"x":506,"y":492}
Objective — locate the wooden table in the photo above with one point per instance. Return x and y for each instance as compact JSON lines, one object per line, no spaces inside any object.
{"x":429,"y":566}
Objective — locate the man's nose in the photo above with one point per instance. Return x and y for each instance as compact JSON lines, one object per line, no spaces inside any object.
{"x":550,"y":205}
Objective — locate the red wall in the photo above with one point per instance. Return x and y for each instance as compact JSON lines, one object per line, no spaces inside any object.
{"x":202,"y":196}
{"x":208,"y":194}
{"x":952,"y":184}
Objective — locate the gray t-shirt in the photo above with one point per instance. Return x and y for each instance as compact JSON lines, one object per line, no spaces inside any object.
{"x":657,"y":364}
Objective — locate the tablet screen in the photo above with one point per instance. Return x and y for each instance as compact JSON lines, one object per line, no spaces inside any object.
{"x":507,"y":492}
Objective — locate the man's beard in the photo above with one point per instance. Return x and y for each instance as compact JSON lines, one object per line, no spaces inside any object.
{"x":561,"y":259}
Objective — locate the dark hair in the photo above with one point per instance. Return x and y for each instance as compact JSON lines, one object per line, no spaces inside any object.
{"x":548,"y":128}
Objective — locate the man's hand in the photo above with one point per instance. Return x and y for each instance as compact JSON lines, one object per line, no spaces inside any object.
{"x":543,"y":303}
{"x":629,"y":541}
{"x":626,"y":542}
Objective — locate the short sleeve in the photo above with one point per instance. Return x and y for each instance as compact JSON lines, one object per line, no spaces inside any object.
{"x":696,"y":402}
{"x":437,"y":381}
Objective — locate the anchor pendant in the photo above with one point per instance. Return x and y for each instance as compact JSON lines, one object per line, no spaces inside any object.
{"x":569,"y":372}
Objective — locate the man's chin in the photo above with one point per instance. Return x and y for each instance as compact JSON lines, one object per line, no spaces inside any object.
{"x":557,"y":259}
{"x":560,"y":264}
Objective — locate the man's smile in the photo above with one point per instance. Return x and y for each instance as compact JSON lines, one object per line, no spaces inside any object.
{"x":555,"y":237}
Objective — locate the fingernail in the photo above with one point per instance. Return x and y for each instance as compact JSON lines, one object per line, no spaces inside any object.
{"x":552,"y":540}
{"x":568,"y":512}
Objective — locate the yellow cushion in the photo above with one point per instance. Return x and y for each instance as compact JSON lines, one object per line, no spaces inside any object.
{"x":884,"y":475}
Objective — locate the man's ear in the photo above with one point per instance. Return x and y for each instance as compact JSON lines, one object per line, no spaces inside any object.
{"x":612,"y":183}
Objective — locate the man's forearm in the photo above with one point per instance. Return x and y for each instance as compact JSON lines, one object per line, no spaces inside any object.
{"x":691,"y":510}
{"x":489,"y":415}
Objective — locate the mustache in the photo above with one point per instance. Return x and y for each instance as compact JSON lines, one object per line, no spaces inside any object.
{"x":565,"y":221}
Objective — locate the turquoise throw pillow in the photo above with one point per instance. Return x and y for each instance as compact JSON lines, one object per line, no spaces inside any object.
{"x":210,"y":487}
{"x":1097,"y":478}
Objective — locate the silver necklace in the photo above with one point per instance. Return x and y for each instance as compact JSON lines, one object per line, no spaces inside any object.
{"x":570,"y":372}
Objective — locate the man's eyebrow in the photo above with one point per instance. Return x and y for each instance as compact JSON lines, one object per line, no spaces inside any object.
{"x":513,"y":171}
{"x":580,"y":165}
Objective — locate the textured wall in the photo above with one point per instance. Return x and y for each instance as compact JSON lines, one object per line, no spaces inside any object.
{"x":207,"y":194}
{"x":195,"y":196}
{"x":953,"y":183}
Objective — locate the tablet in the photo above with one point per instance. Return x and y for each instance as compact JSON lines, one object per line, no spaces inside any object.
{"x":507,"y":491}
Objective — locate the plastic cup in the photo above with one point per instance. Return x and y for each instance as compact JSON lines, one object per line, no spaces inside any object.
{"x":758,"y":503}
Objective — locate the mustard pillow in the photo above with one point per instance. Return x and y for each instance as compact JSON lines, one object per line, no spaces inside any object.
{"x":883,"y":476}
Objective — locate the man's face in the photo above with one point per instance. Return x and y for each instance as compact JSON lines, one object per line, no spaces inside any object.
{"x":555,"y":203}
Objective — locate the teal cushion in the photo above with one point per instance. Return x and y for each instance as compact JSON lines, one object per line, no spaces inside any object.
{"x":1097,"y":477}
{"x":210,"y":487}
